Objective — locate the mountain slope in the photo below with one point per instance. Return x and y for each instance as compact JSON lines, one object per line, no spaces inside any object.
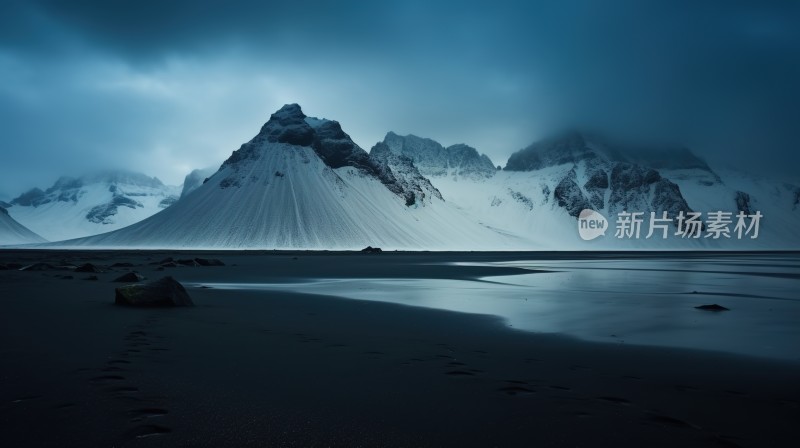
{"x":91,"y":204}
{"x":14,"y":233}
{"x":301,"y":183}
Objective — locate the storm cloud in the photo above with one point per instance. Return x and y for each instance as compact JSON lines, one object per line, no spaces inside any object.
{"x":164,"y":87}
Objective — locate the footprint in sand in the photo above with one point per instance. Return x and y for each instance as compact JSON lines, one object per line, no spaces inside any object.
{"x":142,"y":414}
{"x":516,"y":387}
{"x":459,"y":373}
{"x":25,"y":398}
{"x":107,"y":378}
{"x":143,"y":431}
{"x":616,"y":400}
{"x":666,"y":420}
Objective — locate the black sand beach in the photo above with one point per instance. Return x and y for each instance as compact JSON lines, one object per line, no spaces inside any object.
{"x":258,"y":368}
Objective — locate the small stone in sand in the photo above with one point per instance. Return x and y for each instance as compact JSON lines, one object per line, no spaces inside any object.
{"x":713,"y":307}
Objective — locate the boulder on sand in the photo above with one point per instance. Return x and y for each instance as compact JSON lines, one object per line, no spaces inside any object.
{"x":166,"y":292}
{"x":88,"y":267}
{"x":130,"y":277}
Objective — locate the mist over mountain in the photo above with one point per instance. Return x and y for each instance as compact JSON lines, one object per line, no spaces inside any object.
{"x":84,"y":88}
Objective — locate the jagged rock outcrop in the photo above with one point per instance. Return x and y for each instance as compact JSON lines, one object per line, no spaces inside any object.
{"x":432,"y":159}
{"x":743,"y":202}
{"x":568,"y":195}
{"x":401,"y":176}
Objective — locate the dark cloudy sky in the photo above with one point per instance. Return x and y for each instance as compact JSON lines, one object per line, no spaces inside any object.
{"x":166,"y":86}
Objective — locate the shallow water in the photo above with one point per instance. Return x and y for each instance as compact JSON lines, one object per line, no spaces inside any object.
{"x":627,"y":301}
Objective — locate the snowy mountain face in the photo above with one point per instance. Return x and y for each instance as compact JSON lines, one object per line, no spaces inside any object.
{"x":91,"y":204}
{"x":545,"y":186}
{"x":14,"y":233}
{"x":600,"y":178}
{"x":434,"y":160}
{"x":302,"y":183}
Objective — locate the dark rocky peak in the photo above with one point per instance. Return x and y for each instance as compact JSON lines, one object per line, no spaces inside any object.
{"x":288,"y":125}
{"x":569,"y":147}
{"x":466,"y":160}
{"x":428,"y":155}
{"x":32,"y":197}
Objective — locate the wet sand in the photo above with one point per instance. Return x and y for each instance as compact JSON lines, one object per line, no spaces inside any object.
{"x":257,"y":368}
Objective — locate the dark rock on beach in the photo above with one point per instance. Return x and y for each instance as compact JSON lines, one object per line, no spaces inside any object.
{"x":713,"y":307}
{"x":88,"y":267}
{"x":209,"y":262}
{"x":122,"y":265}
{"x":130,"y":277}
{"x":38,"y":267}
{"x":166,"y":292}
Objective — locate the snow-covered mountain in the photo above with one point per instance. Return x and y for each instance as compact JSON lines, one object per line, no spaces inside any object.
{"x":14,"y":233}
{"x":303,"y":183}
{"x":91,"y":204}
{"x":545,"y":186}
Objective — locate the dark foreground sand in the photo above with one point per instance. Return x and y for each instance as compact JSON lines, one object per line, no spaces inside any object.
{"x":247,"y":368}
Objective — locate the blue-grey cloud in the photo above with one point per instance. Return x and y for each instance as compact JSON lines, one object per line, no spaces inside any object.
{"x":163,"y":87}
